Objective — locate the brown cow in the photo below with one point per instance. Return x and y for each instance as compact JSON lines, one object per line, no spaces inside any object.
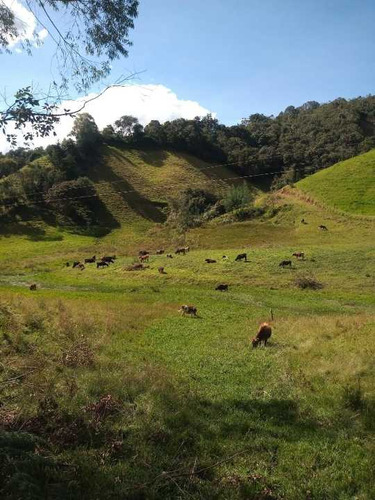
{"x":161,"y":270}
{"x":91,"y":260}
{"x":144,"y":258}
{"x":180,"y":250}
{"x":102,"y":263}
{"x":299,"y":255}
{"x":185,"y":309}
{"x":264,"y":333}
{"x":160,"y":251}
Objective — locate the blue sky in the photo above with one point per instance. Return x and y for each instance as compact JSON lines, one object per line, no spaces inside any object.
{"x":238,"y":57}
{"x":243,"y":56}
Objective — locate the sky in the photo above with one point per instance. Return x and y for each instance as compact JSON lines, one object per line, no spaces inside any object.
{"x":228,"y":57}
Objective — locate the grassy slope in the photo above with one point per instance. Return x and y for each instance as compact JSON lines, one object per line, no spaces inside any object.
{"x":192,"y":392}
{"x":347,"y":186}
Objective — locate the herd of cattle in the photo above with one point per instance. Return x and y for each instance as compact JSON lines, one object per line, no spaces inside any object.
{"x":265,"y":330}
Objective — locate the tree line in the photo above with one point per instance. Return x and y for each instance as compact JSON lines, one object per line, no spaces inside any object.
{"x":297,"y":142}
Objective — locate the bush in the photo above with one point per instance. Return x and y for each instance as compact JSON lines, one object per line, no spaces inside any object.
{"x":237,"y":197}
{"x":308,"y":281}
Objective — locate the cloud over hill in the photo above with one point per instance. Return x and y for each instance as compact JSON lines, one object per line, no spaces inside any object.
{"x":146,"y":102}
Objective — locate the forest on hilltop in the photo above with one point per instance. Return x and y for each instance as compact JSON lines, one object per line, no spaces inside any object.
{"x":296,"y":143}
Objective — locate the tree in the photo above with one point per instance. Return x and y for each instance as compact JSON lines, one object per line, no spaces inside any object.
{"x":86,"y":133}
{"x":125,"y":125}
{"x":93,"y":34}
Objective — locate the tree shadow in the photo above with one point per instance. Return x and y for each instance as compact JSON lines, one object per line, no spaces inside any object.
{"x":144,"y":207}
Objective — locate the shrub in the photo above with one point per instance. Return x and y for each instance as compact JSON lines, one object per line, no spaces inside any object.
{"x":237,"y":197}
{"x":308,"y":281}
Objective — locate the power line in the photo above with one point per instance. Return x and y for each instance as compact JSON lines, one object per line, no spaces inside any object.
{"x":33,"y":202}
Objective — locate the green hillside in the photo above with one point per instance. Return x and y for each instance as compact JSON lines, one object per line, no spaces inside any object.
{"x":109,"y":392}
{"x":136,"y":184}
{"x":347,"y":186}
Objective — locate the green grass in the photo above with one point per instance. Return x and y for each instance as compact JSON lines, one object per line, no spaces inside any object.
{"x":348,"y":186}
{"x":197,"y":413}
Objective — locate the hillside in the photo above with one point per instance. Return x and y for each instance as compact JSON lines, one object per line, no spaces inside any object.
{"x":136,"y":184}
{"x":348,"y":186}
{"x":100,"y":365}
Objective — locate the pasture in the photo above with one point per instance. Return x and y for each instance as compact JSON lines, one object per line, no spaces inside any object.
{"x":140,"y":402}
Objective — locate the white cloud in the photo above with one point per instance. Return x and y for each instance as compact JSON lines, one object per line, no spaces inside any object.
{"x":146,"y":102}
{"x":26,"y":25}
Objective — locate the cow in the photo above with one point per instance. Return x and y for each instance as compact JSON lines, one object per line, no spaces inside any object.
{"x":222,"y":288}
{"x":91,"y":260}
{"x":33,"y":286}
{"x":210,"y":261}
{"x":109,"y":258}
{"x":224,"y":257}
{"x":143,"y":252}
{"x":144,"y":258}
{"x":81,"y":266}
{"x":185,"y":309}
{"x":102,"y":263}
{"x":241,"y":256}
{"x":264,"y":333}
{"x":160,"y":251}
{"x":76,"y":263}
{"x":303,"y":221}
{"x":161,"y":270}
{"x":299,"y":255}
{"x":169,"y":256}
{"x":180,"y":250}
{"x":323,"y":228}
{"x":285,"y":263}
{"x":67,"y":264}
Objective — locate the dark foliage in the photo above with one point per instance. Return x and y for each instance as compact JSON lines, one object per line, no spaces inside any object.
{"x":294,"y":144}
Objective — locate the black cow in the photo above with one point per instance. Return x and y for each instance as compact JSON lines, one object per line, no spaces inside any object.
{"x":222,"y":288}
{"x":241,"y":256}
{"x":285,"y":263}
{"x":101,"y":264}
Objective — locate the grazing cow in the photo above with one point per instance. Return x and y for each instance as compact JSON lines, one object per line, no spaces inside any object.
{"x":224,"y":257}
{"x":299,"y":255}
{"x":90,"y":261}
{"x":210,"y":261}
{"x":169,"y":256}
{"x":102,"y":263}
{"x":76,"y":263}
{"x":285,"y":263}
{"x":222,"y":288}
{"x":144,"y":258}
{"x":191,"y":310}
{"x":109,"y":258}
{"x":143,"y":252}
{"x":160,"y":251}
{"x":180,"y":250}
{"x":241,"y":256}
{"x":323,"y":228}
{"x":264,"y":333}
{"x":33,"y":286}
{"x":161,"y":270}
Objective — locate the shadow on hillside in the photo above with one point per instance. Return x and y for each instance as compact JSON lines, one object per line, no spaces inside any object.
{"x":156,"y":157}
{"x":138,"y":203}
